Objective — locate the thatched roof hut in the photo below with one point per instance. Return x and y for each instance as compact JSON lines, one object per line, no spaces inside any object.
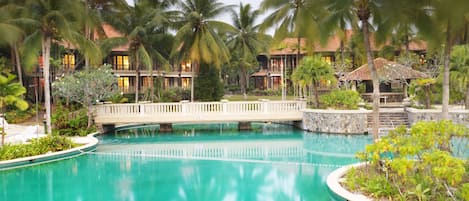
{"x":387,"y":71}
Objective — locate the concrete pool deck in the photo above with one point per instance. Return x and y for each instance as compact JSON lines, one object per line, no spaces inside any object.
{"x":334,"y":180}
{"x":89,"y":144}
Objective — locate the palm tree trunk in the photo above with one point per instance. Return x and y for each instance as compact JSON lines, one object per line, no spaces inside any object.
{"x":445,"y":101}
{"x":194,"y":68}
{"x":374,"y":77}
{"x":466,"y":103}
{"x":428,"y":94}
{"x":316,"y":93}
{"x":46,"y":45}
{"x":242,"y":81}
{"x":18,"y":63}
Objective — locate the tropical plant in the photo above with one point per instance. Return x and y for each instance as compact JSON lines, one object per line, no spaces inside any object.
{"x":246,"y":42}
{"x":197,"y":37}
{"x":50,"y":21}
{"x":88,"y":86}
{"x":143,"y":24}
{"x":50,"y":143}
{"x":417,"y":164}
{"x":341,"y":99}
{"x":312,"y":71}
{"x":460,"y":70}
{"x":421,"y":89}
{"x":297,"y":18}
{"x":11,"y":33}
{"x":448,"y":20}
{"x":338,"y":21}
{"x":208,"y":87}
{"x":10,"y":94}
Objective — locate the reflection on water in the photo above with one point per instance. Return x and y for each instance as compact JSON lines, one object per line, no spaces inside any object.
{"x":270,"y":175}
{"x":101,"y":178}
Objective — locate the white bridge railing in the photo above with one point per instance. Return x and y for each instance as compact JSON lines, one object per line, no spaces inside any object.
{"x":199,"y":111}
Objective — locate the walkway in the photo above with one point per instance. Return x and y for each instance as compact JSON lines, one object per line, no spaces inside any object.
{"x":200,"y":112}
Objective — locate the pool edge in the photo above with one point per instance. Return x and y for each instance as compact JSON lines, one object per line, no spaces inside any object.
{"x":91,"y":145}
{"x":336,"y":188}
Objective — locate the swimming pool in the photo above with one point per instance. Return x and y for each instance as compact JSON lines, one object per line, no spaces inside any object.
{"x":195,"y":162}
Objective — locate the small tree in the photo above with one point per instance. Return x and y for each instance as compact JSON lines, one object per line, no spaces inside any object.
{"x":422,"y":90}
{"x":208,"y":86}
{"x":317,"y":70}
{"x":10,"y":94}
{"x":459,"y":71}
{"x":88,"y":87}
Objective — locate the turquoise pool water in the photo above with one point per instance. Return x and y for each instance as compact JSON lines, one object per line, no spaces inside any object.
{"x":195,"y":162}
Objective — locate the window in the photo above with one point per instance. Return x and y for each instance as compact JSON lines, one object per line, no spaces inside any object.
{"x":146,"y":83}
{"x":186,"y":82}
{"x":121,"y":62}
{"x":123,"y":83}
{"x":328,"y":59}
{"x":186,"y":67}
{"x":68,"y":62}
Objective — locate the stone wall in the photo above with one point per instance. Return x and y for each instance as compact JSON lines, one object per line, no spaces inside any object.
{"x":457,"y":116}
{"x":336,"y":121}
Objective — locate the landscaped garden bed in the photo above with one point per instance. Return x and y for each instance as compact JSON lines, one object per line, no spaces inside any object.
{"x":427,"y":162}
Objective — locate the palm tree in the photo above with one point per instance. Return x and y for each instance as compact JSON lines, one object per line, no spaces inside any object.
{"x":246,"y":41}
{"x":52,"y":20}
{"x":140,"y":24}
{"x":95,"y":14}
{"x":449,"y":17}
{"x":460,"y":70}
{"x":11,"y":33}
{"x":293,"y":17}
{"x":11,"y":93}
{"x":197,"y":38}
{"x":316,"y":70}
{"x":338,"y":21}
{"x":403,"y":20}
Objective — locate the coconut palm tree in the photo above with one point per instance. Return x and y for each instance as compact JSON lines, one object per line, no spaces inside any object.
{"x":11,"y":33}
{"x":140,"y":24}
{"x":51,"y":21}
{"x":95,"y":14}
{"x":339,"y":19}
{"x":316,"y":70}
{"x":403,"y":20}
{"x":460,"y":70}
{"x":246,"y":41}
{"x":297,"y":18}
{"x":197,"y":38}
{"x":449,"y":20}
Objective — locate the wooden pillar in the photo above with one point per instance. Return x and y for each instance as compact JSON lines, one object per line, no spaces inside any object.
{"x":243,"y":126}
{"x":166,"y":128}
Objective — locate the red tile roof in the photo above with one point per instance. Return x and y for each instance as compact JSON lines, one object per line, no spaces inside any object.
{"x":387,"y":70}
{"x":289,"y":45}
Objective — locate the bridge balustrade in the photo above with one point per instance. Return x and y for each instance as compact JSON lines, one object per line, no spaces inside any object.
{"x":199,"y":111}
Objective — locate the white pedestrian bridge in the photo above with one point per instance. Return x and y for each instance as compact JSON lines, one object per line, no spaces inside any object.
{"x":199,"y":112}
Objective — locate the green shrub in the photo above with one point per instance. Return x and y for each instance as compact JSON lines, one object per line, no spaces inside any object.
{"x":50,"y":143}
{"x":415,"y":164}
{"x":207,"y":85}
{"x":341,"y":99}
{"x":18,"y":116}
{"x":70,"y":123}
{"x":175,"y":94}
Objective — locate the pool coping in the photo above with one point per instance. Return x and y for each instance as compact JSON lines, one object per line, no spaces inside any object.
{"x":91,"y":144}
{"x":333,"y":183}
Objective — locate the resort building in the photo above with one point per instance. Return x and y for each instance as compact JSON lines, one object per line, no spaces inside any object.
{"x":283,"y":58}
{"x":178,"y":75}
